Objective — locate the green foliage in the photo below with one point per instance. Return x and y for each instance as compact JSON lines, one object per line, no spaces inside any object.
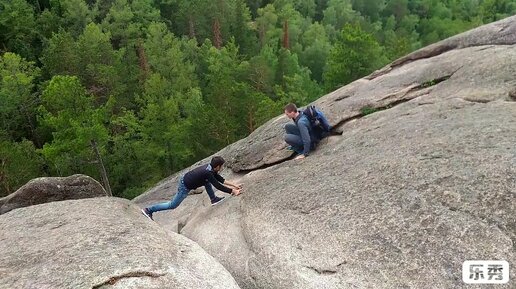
{"x":165,"y":56}
{"x":492,"y":10}
{"x":97,"y":61}
{"x":127,"y":21}
{"x":60,"y":55}
{"x":19,"y":163}
{"x":262,"y":71}
{"x":296,"y":85}
{"x":338,"y":13}
{"x":368,"y":110}
{"x":369,"y":8}
{"x":355,"y":55}
{"x":76,"y":15}
{"x":268,"y":26}
{"x":68,"y":111}
{"x":242,"y":30}
{"x":17,"y":99}
{"x":316,"y":50}
{"x":17,"y":28}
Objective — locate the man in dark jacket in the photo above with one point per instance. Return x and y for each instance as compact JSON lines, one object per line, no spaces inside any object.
{"x":205,"y":175}
{"x":303,"y":135}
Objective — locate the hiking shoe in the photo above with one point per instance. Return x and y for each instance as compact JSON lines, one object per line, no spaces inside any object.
{"x":293,"y":149}
{"x":147,"y":213}
{"x":217,"y":200}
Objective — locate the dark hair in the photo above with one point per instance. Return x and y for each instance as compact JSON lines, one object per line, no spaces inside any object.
{"x":217,"y":161}
{"x":290,"y":107}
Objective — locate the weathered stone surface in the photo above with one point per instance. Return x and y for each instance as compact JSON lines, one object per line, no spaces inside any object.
{"x":48,"y":189}
{"x":99,"y":243}
{"x":401,"y":199}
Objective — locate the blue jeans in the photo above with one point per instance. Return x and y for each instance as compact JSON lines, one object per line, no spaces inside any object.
{"x":293,"y":137}
{"x":182,"y":193}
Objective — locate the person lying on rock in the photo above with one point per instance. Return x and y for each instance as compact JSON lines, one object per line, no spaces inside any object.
{"x":310,"y":126}
{"x":205,"y":175}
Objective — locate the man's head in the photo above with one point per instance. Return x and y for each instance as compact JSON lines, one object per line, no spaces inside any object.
{"x":217,"y":163}
{"x":291,"y":111}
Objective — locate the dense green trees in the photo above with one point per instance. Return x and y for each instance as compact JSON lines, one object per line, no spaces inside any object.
{"x":159,"y":84}
{"x":354,"y":55}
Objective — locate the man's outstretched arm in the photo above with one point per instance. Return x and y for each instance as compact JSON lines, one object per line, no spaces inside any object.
{"x":213,"y":180}
{"x":229,"y":184}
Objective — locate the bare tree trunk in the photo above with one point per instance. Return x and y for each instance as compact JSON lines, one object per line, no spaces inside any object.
{"x":217,"y":37}
{"x":3,"y":179}
{"x":142,"y":60}
{"x":102,"y":169}
{"x":285,"y":35}
{"x":250,"y":123}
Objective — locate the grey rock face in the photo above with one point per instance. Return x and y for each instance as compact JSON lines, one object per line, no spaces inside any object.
{"x":99,"y":243}
{"x":44,"y":190}
{"x":401,"y":199}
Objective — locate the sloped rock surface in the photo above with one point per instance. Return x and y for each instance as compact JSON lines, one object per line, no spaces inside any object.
{"x":99,"y":243}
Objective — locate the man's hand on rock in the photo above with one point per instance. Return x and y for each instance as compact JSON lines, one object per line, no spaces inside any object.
{"x":299,"y":157}
{"x":236,"y":192}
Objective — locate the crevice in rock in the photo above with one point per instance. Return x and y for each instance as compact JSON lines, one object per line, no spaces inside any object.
{"x":433,"y":81}
{"x":503,"y":28}
{"x":477,"y":100}
{"x":180,"y":226}
{"x":422,"y":54}
{"x":425,"y":103}
{"x":341,"y":123}
{"x":414,"y":56}
{"x":268,"y":138}
{"x":367,"y":110}
{"x":426,"y":53}
{"x":305,"y":209}
{"x":341,"y":98}
{"x":485,"y":48}
{"x":136,"y":274}
{"x":512,"y":95}
{"x":58,"y":226}
{"x":264,"y":166}
{"x":322,"y":271}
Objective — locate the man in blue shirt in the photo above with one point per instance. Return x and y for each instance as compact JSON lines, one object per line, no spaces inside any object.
{"x":205,"y":175}
{"x":304,"y":134}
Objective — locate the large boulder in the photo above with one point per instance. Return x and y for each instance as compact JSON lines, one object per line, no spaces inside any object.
{"x":99,"y":243}
{"x":52,"y":189}
{"x":402,"y":198}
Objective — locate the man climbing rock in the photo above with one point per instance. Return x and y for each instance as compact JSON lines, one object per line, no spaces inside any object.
{"x":309,"y":127}
{"x":205,"y":175}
